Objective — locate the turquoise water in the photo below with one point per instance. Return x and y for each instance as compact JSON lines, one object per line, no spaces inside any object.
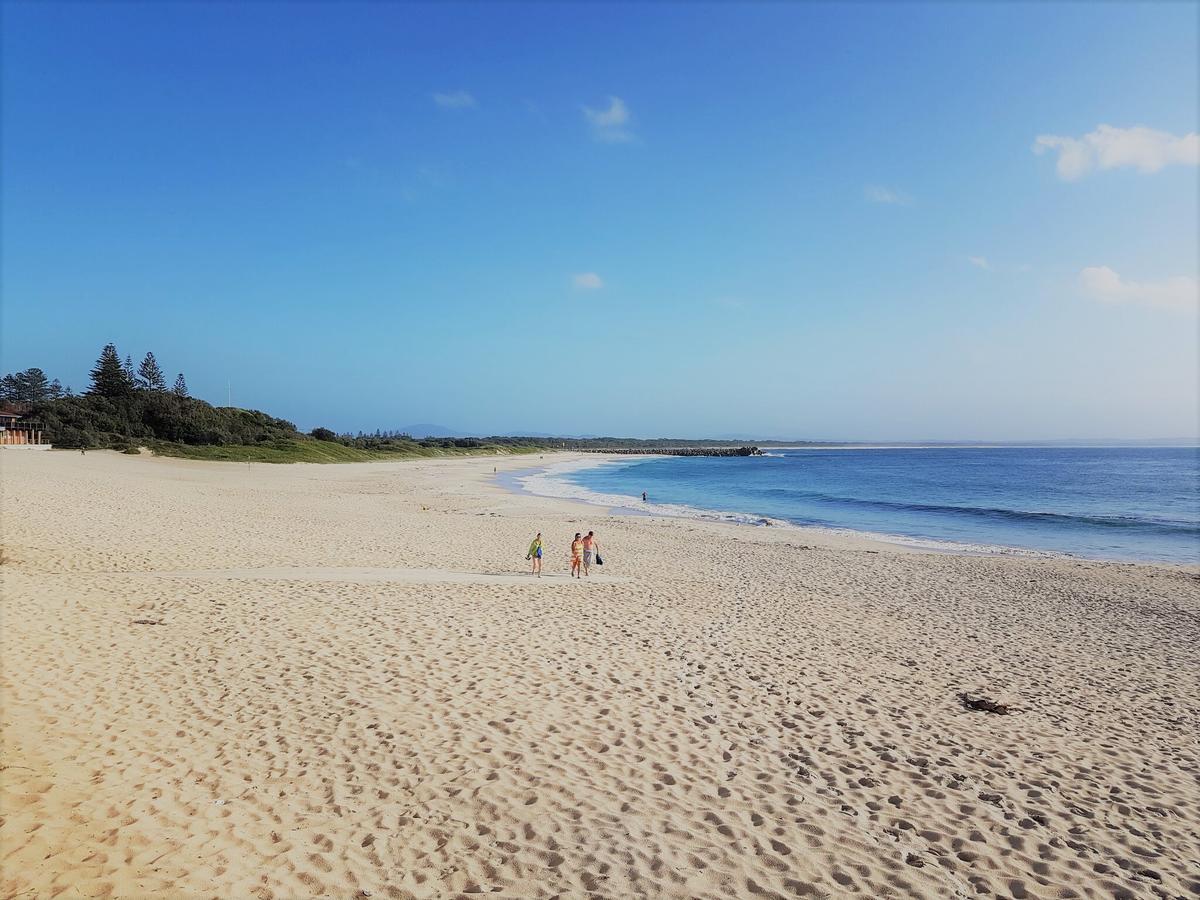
{"x":1108,"y":503}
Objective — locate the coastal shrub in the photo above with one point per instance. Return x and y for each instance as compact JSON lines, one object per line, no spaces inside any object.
{"x":323,"y":434}
{"x":94,"y":420}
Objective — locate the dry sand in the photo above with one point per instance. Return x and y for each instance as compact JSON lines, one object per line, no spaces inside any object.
{"x":255,"y":681}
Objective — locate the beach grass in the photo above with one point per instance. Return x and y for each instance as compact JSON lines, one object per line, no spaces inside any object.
{"x":311,"y":451}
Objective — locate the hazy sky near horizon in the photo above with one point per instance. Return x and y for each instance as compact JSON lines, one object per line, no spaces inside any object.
{"x":807,"y":220}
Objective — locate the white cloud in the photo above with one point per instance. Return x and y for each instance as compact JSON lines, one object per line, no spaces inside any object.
{"x":877,"y":193}
{"x":1102,"y":283}
{"x":610,"y":125}
{"x":455,"y":100}
{"x":980,"y":262}
{"x":587,"y":281}
{"x":1107,"y":147}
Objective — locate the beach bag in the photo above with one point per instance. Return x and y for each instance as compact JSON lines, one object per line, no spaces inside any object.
{"x":599,"y":561}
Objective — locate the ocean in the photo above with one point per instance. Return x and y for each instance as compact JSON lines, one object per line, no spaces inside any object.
{"x":1098,"y":502}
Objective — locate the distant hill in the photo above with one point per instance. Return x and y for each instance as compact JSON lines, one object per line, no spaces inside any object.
{"x":426,"y":429}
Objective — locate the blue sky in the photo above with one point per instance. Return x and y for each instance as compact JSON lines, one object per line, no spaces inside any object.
{"x":802,"y":220}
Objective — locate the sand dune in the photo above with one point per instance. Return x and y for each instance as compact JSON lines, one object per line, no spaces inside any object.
{"x":233,"y":681}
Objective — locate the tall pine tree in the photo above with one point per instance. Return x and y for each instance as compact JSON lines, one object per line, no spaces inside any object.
{"x":109,"y":378}
{"x":36,"y":385}
{"x":150,"y":375}
{"x":30,"y":386}
{"x":130,"y":373}
{"x":180,"y":389}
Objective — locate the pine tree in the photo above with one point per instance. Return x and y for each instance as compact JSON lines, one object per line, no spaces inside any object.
{"x":130,"y":373}
{"x":180,"y":389}
{"x":10,"y":387}
{"x":109,"y":378}
{"x":36,"y":385}
{"x":30,"y":386}
{"x":150,"y":375}
{"x":56,"y":390}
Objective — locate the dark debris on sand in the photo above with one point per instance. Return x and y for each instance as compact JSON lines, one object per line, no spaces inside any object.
{"x":983,"y":704}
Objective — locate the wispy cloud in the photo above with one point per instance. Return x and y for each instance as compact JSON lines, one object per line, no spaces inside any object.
{"x":610,"y":125}
{"x":1179,"y":294}
{"x":1142,"y":148}
{"x":455,"y":100}
{"x":587,"y":281}
{"x":980,"y":262}
{"x":877,"y":193}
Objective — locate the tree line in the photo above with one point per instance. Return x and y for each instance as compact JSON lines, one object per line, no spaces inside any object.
{"x":31,"y":386}
{"x":110,"y":377}
{"x":126,"y":407}
{"x":113,"y":378}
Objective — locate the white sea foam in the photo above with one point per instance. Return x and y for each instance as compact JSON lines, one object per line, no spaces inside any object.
{"x":551,"y":481}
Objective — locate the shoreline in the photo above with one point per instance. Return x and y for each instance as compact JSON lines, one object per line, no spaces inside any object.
{"x":621,"y":504}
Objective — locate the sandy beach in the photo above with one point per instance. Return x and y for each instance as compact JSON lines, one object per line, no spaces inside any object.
{"x":222,"y":680}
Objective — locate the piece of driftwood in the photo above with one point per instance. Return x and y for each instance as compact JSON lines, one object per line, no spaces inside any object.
{"x":983,"y":704}
{"x":148,"y":622}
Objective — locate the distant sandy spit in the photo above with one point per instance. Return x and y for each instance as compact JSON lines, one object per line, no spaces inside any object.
{"x":221,"y":680}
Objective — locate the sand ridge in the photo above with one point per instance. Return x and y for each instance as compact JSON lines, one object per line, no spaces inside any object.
{"x":221,"y":680}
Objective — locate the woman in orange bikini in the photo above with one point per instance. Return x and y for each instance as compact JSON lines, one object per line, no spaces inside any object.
{"x":576,"y":556}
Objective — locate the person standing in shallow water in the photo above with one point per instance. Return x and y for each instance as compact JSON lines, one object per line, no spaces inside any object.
{"x":535,"y":553}
{"x":576,"y":556}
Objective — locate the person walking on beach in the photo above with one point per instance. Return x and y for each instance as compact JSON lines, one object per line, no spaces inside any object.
{"x":535,"y":553}
{"x":643,"y":496}
{"x":576,"y":556}
{"x":589,"y":551}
